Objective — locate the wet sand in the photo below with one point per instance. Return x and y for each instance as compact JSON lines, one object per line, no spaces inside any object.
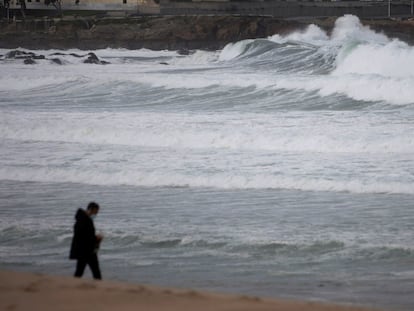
{"x":29,"y":291}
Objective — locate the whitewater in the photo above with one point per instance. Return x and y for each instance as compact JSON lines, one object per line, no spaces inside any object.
{"x":281,"y":166}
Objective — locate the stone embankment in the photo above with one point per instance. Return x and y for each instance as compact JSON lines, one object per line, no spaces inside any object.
{"x":165,"y":32}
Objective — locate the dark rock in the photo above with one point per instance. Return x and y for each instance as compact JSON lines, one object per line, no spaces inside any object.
{"x":76,"y":55}
{"x":184,"y":52}
{"x":93,"y":59}
{"x":29,"y":61}
{"x":17,"y":54}
{"x":164,"y":63}
{"x":12,"y":54}
{"x":58,"y":54}
{"x":24,"y":55}
{"x":56,"y":61}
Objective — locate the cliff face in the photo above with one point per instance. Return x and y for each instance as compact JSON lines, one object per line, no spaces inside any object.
{"x":180,"y":32}
{"x":168,"y":32}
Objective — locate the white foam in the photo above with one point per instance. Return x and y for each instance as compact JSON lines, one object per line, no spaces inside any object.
{"x":359,"y":87}
{"x":349,"y":28}
{"x":311,"y":35}
{"x":293,"y":132}
{"x":220,"y":181}
{"x":195,"y":59}
{"x":394,"y":59}
{"x":134,"y":53}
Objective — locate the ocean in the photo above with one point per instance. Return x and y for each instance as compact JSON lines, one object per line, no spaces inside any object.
{"x":279,"y":167}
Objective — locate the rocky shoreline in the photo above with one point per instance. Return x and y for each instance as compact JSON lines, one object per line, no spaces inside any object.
{"x":166,"y":32}
{"x":30,"y":58}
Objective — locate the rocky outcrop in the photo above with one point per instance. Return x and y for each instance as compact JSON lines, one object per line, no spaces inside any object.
{"x":29,"y":58}
{"x":164,"y":32}
{"x":93,"y":59}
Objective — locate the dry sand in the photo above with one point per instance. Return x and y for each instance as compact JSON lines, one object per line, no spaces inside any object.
{"x":28,"y":291}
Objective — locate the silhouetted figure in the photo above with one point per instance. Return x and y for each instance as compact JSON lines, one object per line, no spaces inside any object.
{"x":85,"y":242}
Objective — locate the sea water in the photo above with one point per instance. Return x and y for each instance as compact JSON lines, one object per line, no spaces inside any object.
{"x":278,"y":167}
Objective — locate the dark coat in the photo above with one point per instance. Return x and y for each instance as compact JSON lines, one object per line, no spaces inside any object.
{"x":84,"y":240}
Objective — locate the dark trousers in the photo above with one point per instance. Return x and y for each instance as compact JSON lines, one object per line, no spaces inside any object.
{"x":92,"y":262}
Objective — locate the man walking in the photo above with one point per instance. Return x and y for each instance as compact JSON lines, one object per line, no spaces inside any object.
{"x":85,"y":242}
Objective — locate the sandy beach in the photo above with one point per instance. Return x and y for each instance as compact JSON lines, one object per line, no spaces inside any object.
{"x":29,"y":291}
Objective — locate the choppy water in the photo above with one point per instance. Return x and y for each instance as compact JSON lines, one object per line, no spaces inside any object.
{"x":279,"y":167}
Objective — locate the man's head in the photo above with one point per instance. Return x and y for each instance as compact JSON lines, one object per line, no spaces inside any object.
{"x":92,"y":209}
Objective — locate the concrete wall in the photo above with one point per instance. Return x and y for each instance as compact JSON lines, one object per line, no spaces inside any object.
{"x":287,"y":9}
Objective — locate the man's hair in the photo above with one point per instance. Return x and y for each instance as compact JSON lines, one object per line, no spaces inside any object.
{"x":93,"y":205}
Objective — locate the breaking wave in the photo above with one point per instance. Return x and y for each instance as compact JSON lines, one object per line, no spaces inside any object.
{"x":335,"y":64}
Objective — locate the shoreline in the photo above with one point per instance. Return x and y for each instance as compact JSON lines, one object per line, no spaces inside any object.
{"x":33,"y":291}
{"x":168,"y":32}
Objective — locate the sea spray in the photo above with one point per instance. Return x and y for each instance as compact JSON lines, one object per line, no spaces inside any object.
{"x":385,"y":77}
